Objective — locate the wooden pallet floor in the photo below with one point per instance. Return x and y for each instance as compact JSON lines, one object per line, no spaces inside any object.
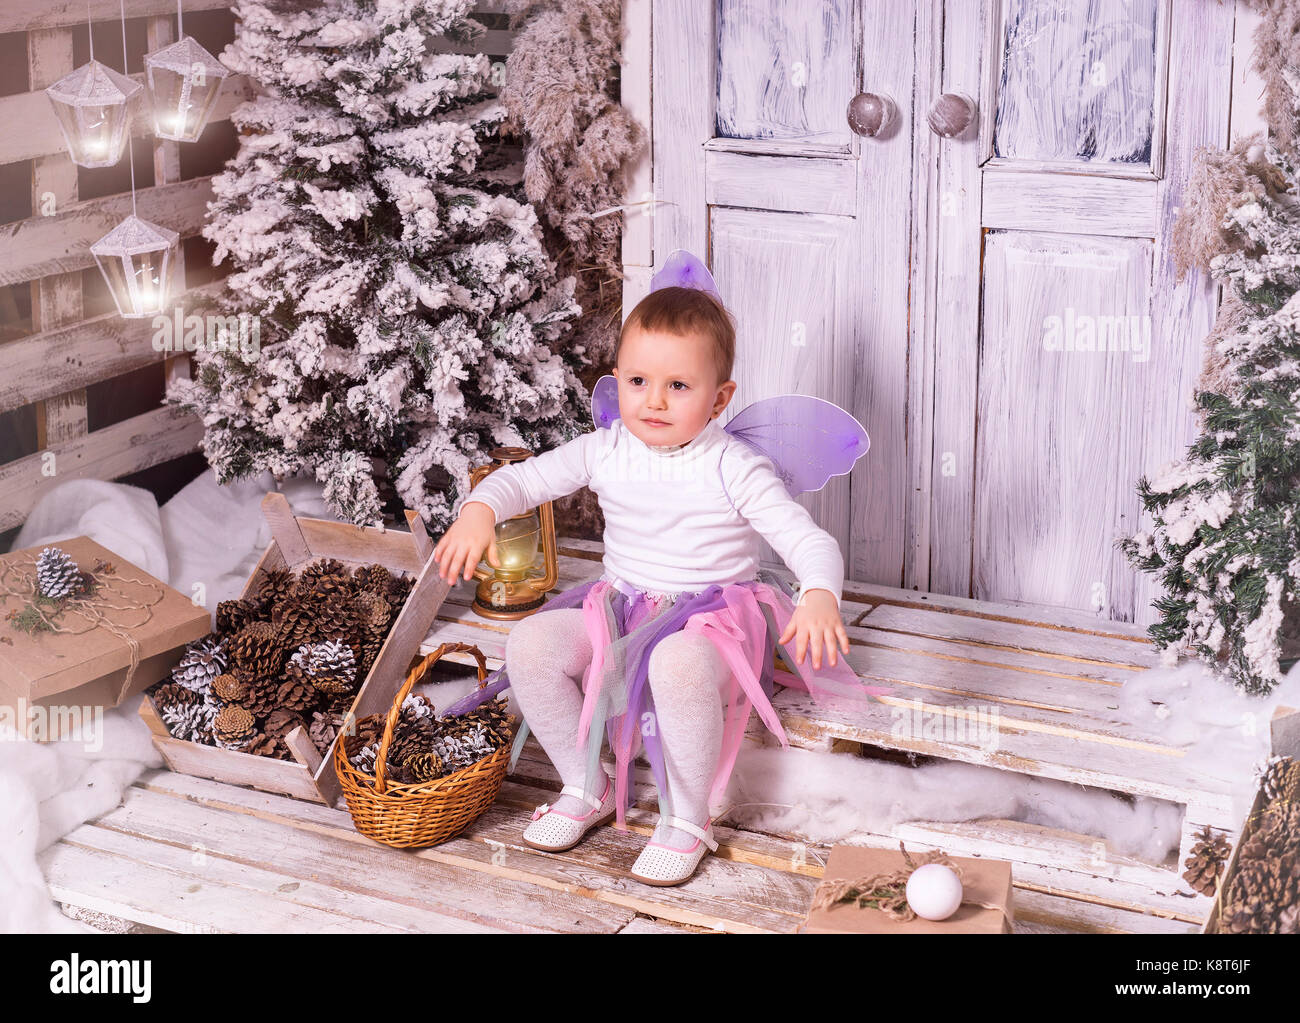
{"x":188,"y":854}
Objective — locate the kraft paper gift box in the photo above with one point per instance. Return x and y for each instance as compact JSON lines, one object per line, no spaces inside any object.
{"x":983,"y":880}
{"x":52,"y":681}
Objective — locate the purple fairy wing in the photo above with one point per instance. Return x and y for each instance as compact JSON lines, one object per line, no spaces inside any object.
{"x":604,"y":401}
{"x":682,"y":270}
{"x":808,"y":439}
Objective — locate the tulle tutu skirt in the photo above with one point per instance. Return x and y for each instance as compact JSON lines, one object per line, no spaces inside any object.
{"x":624,"y":624}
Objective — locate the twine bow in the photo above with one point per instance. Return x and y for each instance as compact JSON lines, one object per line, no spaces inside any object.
{"x":887,"y":891}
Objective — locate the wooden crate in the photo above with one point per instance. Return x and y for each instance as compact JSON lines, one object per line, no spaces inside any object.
{"x":1052,"y":676}
{"x":1284,"y":732}
{"x":296,"y":542}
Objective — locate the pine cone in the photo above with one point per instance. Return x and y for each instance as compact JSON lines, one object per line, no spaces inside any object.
{"x":317,"y":569}
{"x":233,"y":727}
{"x":57,"y":575}
{"x":294,"y":620}
{"x":229,"y":689}
{"x":167,"y":694}
{"x":1205,"y":862}
{"x":189,"y":721}
{"x":276,"y":585}
{"x":373,"y":578}
{"x":295,"y":695}
{"x":425,"y":766}
{"x":233,"y":615}
{"x":262,"y":697}
{"x":256,"y":649}
{"x":1281,"y":778}
{"x":337,"y":619}
{"x":398,"y":591}
{"x":324,"y":729}
{"x":281,"y":722}
{"x":263,"y":745}
{"x":202,"y":662}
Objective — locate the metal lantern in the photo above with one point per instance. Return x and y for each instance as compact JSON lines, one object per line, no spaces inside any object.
{"x":184,"y":80}
{"x":519,"y":586}
{"x":92,"y":104}
{"x":136,"y":261}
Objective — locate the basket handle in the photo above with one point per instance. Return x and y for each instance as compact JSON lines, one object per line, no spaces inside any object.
{"x":395,"y":712}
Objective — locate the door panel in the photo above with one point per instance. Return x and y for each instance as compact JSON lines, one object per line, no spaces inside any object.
{"x":1065,"y":360}
{"x":1077,"y":82}
{"x":786,"y":282}
{"x":785,"y":70}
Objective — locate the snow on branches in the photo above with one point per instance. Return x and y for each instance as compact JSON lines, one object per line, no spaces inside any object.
{"x":410,"y":317}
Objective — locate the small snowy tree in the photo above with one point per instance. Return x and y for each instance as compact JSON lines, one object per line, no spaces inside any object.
{"x":1226,"y":541}
{"x":409,"y":317}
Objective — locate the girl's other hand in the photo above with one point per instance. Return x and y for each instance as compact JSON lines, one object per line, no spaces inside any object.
{"x":816,"y":621}
{"x":462,"y":546}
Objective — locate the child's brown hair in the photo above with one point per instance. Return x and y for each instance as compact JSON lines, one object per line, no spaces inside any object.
{"x":684,"y":311}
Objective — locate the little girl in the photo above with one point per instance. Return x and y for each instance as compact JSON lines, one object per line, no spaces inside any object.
{"x":683,"y":619}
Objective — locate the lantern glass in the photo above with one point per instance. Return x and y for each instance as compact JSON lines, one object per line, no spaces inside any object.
{"x":518,"y":547}
{"x":184,"y":80}
{"x":92,"y":107}
{"x":136,"y":261}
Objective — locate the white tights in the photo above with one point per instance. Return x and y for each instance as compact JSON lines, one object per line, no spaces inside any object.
{"x":546,"y":655}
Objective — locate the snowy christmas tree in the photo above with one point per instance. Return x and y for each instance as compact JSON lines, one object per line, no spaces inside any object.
{"x":1226,"y":541}
{"x":409,"y":317}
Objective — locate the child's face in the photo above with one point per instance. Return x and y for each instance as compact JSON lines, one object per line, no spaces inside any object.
{"x":672,"y":380}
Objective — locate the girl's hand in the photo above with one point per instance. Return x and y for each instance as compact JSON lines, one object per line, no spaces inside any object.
{"x":470,"y":535}
{"x":816,"y":620}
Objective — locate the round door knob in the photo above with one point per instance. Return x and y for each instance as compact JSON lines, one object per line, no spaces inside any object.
{"x":869,"y":113}
{"x":951,"y":114}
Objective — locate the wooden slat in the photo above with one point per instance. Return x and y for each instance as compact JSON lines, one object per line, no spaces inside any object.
{"x":56,"y":300}
{"x":356,"y":877}
{"x":727,"y":893}
{"x":63,"y":359}
{"x":1040,"y":906}
{"x":770,"y":182}
{"x":1055,"y":643}
{"x":97,"y":870}
{"x":18,"y":17}
{"x":41,"y":246}
{"x":341,"y":540}
{"x":118,"y":450}
{"x":34,"y":130}
{"x":1021,"y":747}
{"x":1076,"y":203}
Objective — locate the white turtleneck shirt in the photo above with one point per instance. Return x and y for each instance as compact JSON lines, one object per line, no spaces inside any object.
{"x":678,"y":518}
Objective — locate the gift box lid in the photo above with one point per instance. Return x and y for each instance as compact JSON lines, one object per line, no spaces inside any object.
{"x":39,"y":663}
{"x":983,"y":880}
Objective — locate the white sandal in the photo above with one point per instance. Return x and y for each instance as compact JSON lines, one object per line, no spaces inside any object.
{"x":556,"y":831}
{"x":661,"y":865}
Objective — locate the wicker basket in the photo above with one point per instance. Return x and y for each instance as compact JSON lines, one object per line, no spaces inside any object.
{"x":424,"y":813}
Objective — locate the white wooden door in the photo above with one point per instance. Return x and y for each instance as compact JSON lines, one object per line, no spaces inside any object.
{"x":1064,"y":352}
{"x":804,"y":223}
{"x":915,"y":278}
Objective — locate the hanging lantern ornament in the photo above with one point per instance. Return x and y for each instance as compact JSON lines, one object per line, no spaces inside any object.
{"x":136,"y":259}
{"x":184,"y":80}
{"x":91,"y":105}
